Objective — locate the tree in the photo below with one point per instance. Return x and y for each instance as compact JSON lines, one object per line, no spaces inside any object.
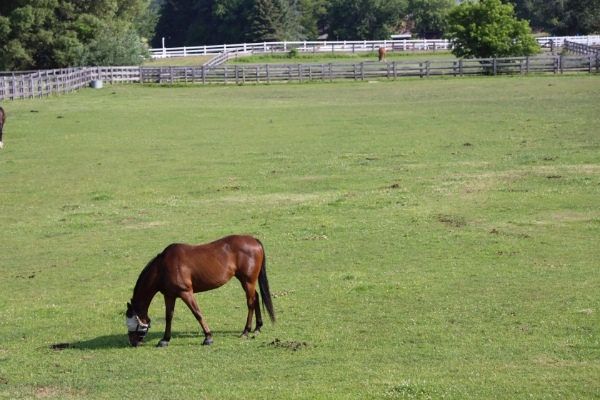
{"x":365,"y":19}
{"x":113,"y":48}
{"x":274,"y":20}
{"x":568,"y":17}
{"x":313,"y":17}
{"x":57,"y":33}
{"x":427,"y":18}
{"x":487,"y":29}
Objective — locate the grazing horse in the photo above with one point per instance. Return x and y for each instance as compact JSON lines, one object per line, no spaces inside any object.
{"x":182,"y":270}
{"x":382,"y":52}
{"x":2,"y":119}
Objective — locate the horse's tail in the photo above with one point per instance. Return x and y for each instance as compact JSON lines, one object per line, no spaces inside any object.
{"x":263,"y":284}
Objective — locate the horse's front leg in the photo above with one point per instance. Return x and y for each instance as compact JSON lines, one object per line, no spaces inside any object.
{"x":169,"y":311}
{"x":189,"y":299}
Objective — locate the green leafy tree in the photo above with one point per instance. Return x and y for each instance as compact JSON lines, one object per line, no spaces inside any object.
{"x":37,"y":34}
{"x":487,"y":29}
{"x":568,"y":17}
{"x":427,"y":18}
{"x":313,"y":17}
{"x":203,"y":22}
{"x":365,"y":19}
{"x":273,"y":20}
{"x":113,"y":48}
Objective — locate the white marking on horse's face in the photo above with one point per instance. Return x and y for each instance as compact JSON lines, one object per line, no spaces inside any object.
{"x":132,"y":323}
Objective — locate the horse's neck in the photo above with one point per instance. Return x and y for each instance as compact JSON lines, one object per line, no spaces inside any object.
{"x":142,"y":303}
{"x":144,"y":293}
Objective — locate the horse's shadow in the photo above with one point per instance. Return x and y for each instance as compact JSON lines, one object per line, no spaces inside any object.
{"x":121,"y":341}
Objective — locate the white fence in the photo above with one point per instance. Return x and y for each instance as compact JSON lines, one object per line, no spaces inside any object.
{"x":305,"y":47}
{"x":343,"y":46}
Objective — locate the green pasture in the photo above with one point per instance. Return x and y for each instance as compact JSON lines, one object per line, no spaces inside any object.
{"x":285,"y":58}
{"x":425,"y":238}
{"x":177,"y":61}
{"x":325,"y":58}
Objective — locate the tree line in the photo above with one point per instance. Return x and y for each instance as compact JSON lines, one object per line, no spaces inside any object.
{"x":37,"y":34}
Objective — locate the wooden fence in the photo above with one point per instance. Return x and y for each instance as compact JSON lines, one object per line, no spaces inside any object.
{"x":37,"y":84}
{"x":580,"y":48}
{"x":273,"y":73}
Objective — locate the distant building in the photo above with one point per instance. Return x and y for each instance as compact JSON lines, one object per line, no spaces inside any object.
{"x":402,"y":36}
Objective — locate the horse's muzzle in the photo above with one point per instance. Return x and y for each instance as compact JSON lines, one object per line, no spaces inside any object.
{"x":136,"y":338}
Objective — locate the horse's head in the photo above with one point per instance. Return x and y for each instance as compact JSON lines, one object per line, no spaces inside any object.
{"x":135,"y":326}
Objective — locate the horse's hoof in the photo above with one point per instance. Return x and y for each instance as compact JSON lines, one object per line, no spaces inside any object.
{"x":207,"y":342}
{"x":162,"y":343}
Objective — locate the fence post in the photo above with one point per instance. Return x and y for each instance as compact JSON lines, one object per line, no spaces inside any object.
{"x":460,"y":67}
{"x":495,"y":66}
{"x":561,"y":61}
{"x":521,"y":67}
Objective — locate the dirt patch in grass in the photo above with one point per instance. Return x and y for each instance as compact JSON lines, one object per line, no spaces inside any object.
{"x":288,"y":345}
{"x":456,"y":222}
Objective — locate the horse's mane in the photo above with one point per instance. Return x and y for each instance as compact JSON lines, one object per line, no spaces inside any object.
{"x":143,"y":273}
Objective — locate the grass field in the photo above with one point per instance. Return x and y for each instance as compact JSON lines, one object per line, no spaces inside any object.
{"x":304,"y":58}
{"x":342,"y":57}
{"x":430,"y":238}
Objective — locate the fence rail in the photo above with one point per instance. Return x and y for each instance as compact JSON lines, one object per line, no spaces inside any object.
{"x":344,"y":46}
{"x":43,"y":83}
{"x":580,"y":48}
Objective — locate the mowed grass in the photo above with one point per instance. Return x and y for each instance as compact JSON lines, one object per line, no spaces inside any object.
{"x":330,"y":57}
{"x":320,"y":57}
{"x":425,"y":238}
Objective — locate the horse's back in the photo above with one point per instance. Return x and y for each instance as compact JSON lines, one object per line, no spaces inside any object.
{"x":208,"y":266}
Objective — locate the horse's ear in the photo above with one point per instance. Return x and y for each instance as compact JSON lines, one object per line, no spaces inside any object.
{"x":130,"y":311}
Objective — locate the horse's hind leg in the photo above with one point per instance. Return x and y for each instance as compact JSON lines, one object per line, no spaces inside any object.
{"x":252,"y":302}
{"x":189,"y":299}
{"x":259,"y":322}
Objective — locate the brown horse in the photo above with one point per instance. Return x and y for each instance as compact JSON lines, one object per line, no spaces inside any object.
{"x":182,"y":270}
{"x":2,"y":119}
{"x":382,"y":53}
